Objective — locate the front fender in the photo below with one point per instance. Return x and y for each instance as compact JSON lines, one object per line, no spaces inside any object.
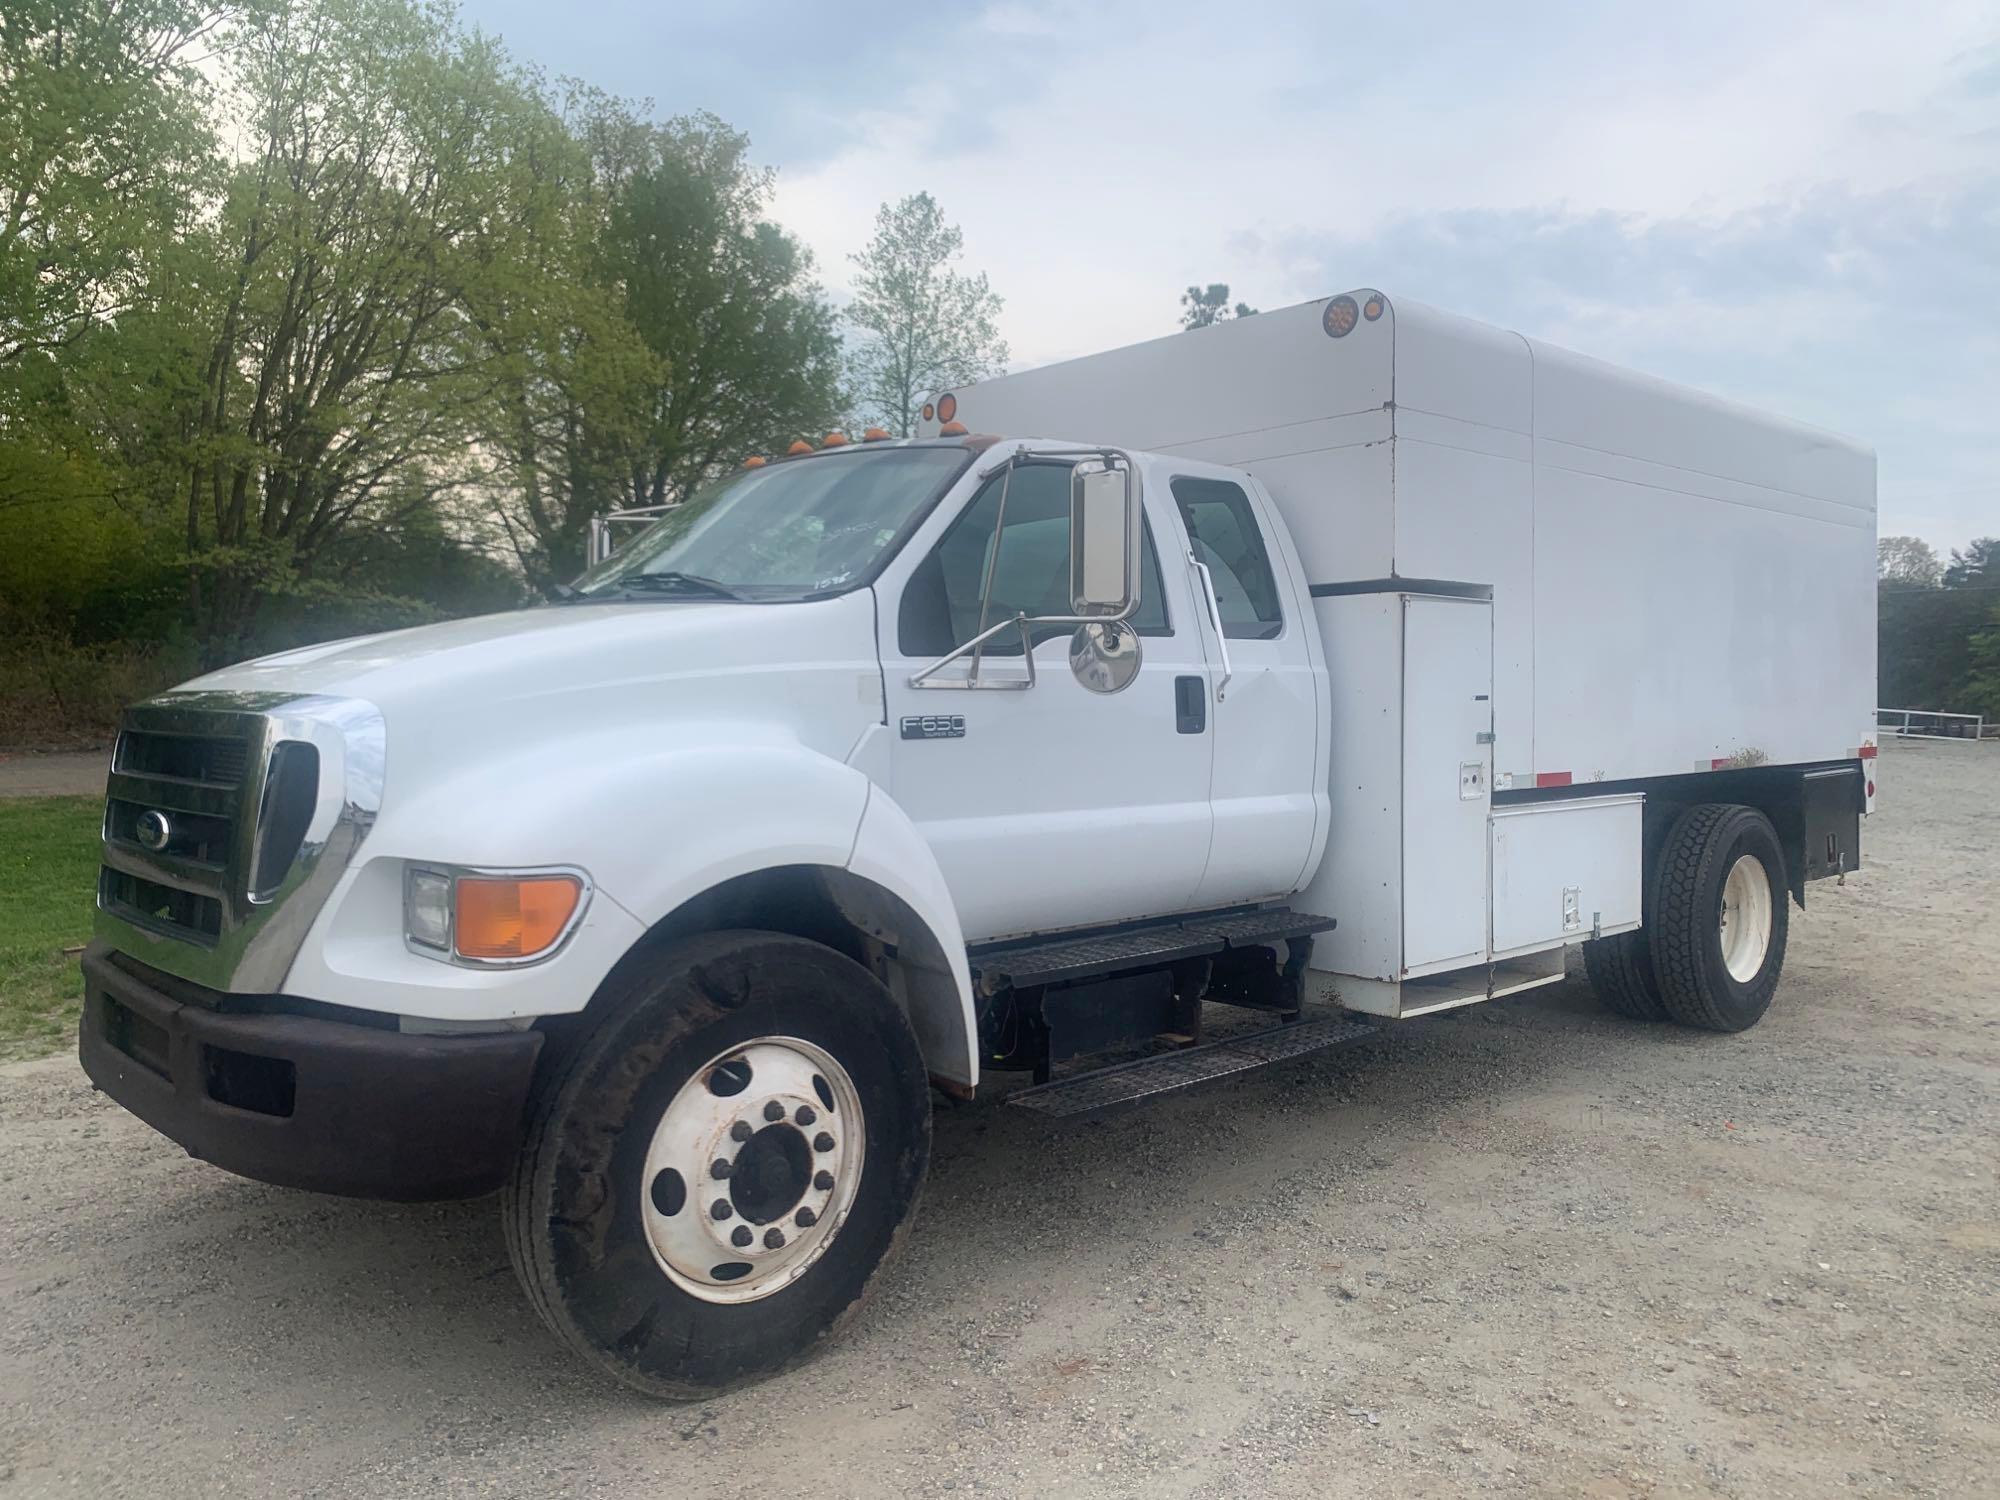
{"x":890,"y":855}
{"x":651,"y":831}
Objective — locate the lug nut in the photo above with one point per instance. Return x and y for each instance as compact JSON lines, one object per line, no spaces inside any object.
{"x":740,"y":1236}
{"x":774,"y":1239}
{"x":805,"y":1218}
{"x":823,"y":1181}
{"x":774,"y":1111}
{"x":822,"y":1142}
{"x":805,"y":1116}
{"x":720,"y":1209}
{"x":740,"y":1131}
{"x":719,"y":1169}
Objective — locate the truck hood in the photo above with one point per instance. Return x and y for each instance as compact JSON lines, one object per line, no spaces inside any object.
{"x":545,"y":672}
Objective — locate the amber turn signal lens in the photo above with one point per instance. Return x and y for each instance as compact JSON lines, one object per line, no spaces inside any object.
{"x":947,"y":408}
{"x":801,"y":446}
{"x":929,"y":411}
{"x":1340,"y":317}
{"x":515,"y":917}
{"x":1372,"y":309}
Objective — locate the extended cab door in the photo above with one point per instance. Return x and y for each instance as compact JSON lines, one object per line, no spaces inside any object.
{"x":1268,"y":786}
{"x":1052,"y":806}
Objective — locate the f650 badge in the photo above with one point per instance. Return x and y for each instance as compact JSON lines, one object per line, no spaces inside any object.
{"x":934,"y":727}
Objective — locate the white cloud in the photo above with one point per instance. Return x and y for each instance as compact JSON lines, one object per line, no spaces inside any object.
{"x":1100,"y":160}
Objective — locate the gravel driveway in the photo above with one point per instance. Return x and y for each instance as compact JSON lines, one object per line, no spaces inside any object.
{"x":1526,"y":1249}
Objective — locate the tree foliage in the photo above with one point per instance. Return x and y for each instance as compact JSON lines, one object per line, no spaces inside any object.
{"x":103,"y":144}
{"x":1202,"y":306}
{"x":924,"y":326}
{"x":1908,"y":561}
{"x":328,"y":315}
{"x":1939,"y":641}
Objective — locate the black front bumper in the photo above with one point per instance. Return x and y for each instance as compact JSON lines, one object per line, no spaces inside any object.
{"x":301,"y":1100}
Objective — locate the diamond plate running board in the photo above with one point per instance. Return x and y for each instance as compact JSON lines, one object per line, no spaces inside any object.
{"x":1128,"y":1083}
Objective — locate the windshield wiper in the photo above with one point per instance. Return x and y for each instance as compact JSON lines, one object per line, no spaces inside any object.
{"x":671,"y":582}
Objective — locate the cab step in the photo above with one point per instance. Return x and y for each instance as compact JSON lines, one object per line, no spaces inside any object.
{"x":1111,"y":1088}
{"x":1044,"y":961}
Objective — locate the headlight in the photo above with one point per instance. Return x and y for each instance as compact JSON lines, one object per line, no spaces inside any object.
{"x":487,"y":917}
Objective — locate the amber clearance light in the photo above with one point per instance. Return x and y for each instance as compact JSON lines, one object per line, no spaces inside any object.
{"x":509,"y":917}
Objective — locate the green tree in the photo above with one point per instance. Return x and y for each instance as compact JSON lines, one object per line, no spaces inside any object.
{"x":377,"y":200}
{"x":570,"y":373}
{"x":1982,"y":686}
{"x":1202,"y":306}
{"x":104,"y":144}
{"x":1907,"y":562}
{"x":1978,"y":565}
{"x":924,"y":326}
{"x":746,"y":347}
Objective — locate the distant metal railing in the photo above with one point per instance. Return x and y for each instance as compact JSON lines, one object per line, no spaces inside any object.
{"x":1929,"y":724}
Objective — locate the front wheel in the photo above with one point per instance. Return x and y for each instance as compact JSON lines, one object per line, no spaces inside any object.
{"x":1718,"y":918}
{"x":727,"y":1159}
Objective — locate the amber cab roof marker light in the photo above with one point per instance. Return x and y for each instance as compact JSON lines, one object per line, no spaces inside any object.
{"x":834,"y":440}
{"x":952,"y":429}
{"x":801,"y":446}
{"x":875,"y":435}
{"x":754,"y":461}
{"x":947,"y":407}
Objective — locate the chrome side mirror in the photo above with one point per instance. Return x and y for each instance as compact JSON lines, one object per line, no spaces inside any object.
{"x":1104,"y":539}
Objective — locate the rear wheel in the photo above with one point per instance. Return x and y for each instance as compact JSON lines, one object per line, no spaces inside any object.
{"x":1621,"y":971}
{"x":726,"y":1160}
{"x":1718,"y":920}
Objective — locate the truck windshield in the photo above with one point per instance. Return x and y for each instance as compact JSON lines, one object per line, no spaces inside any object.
{"x":788,"y":531}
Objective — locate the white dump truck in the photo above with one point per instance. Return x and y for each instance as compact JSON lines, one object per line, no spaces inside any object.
{"x":1341,"y":664}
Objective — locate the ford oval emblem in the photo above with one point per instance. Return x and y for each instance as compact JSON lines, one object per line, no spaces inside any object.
{"x":154,"y":830}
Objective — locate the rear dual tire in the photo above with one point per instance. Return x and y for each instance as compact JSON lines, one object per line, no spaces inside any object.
{"x":1713,"y":946}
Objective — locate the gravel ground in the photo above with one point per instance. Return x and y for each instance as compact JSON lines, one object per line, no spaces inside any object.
{"x":1526,"y":1249}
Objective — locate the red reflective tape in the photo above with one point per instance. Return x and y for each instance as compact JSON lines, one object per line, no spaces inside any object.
{"x":1866,"y":752}
{"x":1551,"y":778}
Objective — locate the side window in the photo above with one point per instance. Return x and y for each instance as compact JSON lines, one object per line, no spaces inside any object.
{"x":940,"y":608}
{"x":1223,"y":529}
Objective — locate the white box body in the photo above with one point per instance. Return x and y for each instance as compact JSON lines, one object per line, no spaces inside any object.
{"x":1677,"y":581}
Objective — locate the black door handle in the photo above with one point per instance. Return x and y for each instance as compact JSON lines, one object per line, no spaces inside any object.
{"x":1190,"y":705}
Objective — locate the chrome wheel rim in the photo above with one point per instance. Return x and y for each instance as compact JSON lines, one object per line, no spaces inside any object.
{"x":752,"y":1169}
{"x":1746,"y":918}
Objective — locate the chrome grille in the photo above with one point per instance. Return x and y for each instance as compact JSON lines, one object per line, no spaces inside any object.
{"x":228,"y":818}
{"x":192,"y":783}
{"x":213,"y":760}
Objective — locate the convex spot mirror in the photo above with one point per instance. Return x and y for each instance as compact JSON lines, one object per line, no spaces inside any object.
{"x":1105,"y":657}
{"x":1104,"y":540}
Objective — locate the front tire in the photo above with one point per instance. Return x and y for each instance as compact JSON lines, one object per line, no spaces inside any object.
{"x":726,"y":1159}
{"x":1719,"y":918}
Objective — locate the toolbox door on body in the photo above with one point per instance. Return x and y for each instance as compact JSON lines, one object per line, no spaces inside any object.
{"x":1447,"y":780}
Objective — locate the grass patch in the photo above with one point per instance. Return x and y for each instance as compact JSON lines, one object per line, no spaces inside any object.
{"x":48,"y":880}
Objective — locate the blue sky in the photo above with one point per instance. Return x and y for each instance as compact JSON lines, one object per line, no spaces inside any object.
{"x":1794,"y":204}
